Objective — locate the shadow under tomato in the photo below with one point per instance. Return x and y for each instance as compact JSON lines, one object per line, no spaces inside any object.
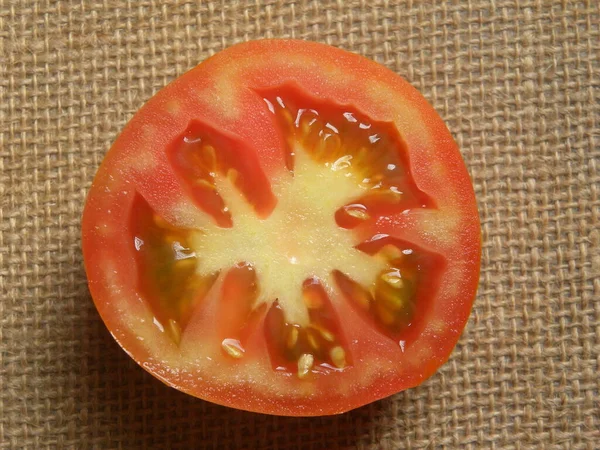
{"x":93,"y":395}
{"x":98,"y":397}
{"x":122,"y":406}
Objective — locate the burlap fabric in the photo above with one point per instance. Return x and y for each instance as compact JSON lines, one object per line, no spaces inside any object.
{"x":518,"y":84}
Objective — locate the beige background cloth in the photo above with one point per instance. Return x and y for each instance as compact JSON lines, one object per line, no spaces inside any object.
{"x":517,"y":82}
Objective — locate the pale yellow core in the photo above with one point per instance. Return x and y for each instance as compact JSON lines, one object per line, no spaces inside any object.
{"x":299,"y":240}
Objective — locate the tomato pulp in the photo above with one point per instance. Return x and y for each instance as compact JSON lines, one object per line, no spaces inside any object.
{"x":288,"y":228}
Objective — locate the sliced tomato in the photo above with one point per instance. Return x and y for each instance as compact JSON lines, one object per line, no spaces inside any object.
{"x":288,"y":228}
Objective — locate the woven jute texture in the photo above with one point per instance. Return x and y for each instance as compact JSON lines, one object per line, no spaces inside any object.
{"x":518,"y":82}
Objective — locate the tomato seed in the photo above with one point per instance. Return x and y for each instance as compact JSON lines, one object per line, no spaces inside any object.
{"x":209,"y":157}
{"x":386,"y":316}
{"x":386,"y":196}
{"x":338,"y":357}
{"x":363,"y":298}
{"x":392,"y":300}
{"x":391,"y":252}
{"x":185,"y":263}
{"x":325,"y":334}
{"x":292,"y":338}
{"x":232,"y":175}
{"x":354,"y":291}
{"x":393,"y":278}
{"x":306,"y":123}
{"x":233,"y":348}
{"x":205,"y":184}
{"x":312,"y":299}
{"x":332,"y":147}
{"x":305,"y":364}
{"x":312,"y":340}
{"x":357,"y":211}
{"x":175,"y":330}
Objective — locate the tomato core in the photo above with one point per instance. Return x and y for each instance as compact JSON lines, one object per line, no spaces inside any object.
{"x":286,"y":245}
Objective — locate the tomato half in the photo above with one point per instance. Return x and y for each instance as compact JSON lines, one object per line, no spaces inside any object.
{"x":288,"y":228}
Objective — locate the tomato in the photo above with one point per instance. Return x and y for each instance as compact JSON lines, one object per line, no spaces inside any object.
{"x":288,"y":228}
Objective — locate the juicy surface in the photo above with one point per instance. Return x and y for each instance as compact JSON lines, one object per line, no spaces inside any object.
{"x":298,"y":241}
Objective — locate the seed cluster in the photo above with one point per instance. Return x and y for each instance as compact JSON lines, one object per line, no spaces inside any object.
{"x":319,"y":342}
{"x":167,"y":267}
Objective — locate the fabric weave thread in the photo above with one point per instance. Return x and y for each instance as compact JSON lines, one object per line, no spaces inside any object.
{"x":516,"y":81}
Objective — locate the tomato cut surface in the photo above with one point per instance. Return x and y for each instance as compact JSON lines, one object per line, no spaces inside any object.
{"x":288,"y":228}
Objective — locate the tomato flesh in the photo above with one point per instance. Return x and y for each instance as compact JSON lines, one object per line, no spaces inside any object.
{"x":320,"y":135}
{"x":286,"y":280}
